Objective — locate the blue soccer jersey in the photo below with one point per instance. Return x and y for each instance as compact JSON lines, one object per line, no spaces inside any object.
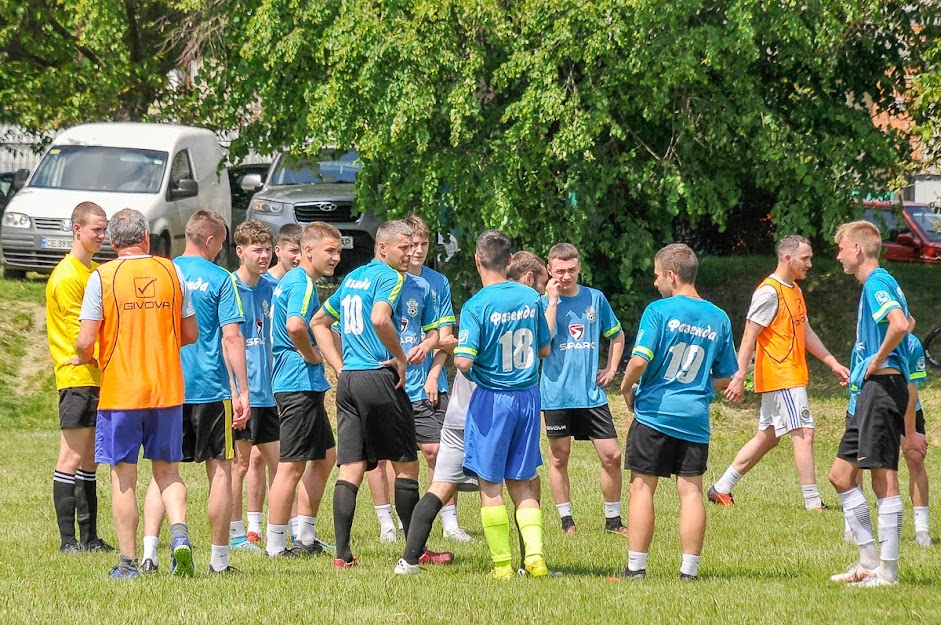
{"x":216,"y":300}
{"x":270,"y":279}
{"x":881,"y":294}
{"x":687,"y":342}
{"x":570,"y":370}
{"x":503,"y":327}
{"x":441,"y":291}
{"x":417,"y":315}
{"x":295,"y":296}
{"x":352,"y":306}
{"x":917,"y":372}
{"x":256,"y":302}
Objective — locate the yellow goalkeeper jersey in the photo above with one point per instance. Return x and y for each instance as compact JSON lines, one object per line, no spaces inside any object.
{"x":64,"y":293}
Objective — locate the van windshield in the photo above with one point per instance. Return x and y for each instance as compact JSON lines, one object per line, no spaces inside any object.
{"x":330,"y":167}
{"x":97,"y":168}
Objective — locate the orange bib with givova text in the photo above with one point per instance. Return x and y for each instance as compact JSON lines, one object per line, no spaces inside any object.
{"x":780,"y":358}
{"x":139,"y":338}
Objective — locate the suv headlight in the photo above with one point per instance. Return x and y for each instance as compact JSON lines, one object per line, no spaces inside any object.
{"x":16,"y":220}
{"x":266,"y":206}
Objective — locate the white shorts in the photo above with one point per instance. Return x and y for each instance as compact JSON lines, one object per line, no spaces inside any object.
{"x":785,"y":410}
{"x":449,"y":465}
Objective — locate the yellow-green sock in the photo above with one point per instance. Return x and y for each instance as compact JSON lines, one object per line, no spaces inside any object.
{"x":530,"y":524}
{"x":496,"y":526}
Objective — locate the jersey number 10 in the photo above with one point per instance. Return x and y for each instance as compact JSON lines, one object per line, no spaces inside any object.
{"x":352,"y":314}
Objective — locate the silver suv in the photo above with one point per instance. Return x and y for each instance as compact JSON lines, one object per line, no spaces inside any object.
{"x":301,"y":189}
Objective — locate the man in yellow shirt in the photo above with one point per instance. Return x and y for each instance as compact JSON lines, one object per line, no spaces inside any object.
{"x":73,"y":484}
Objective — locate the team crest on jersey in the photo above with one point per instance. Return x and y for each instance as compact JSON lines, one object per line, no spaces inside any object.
{"x":463,"y":336}
{"x":403,"y":325}
{"x":412,"y":307}
{"x":266,"y":308}
{"x":576,"y":330}
{"x":590,"y":314}
{"x":259,"y":326}
{"x":883,"y":296}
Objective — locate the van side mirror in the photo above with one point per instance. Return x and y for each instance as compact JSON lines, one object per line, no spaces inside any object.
{"x":19,"y":179}
{"x":187,"y":187}
{"x":251,"y":183}
{"x":906,"y":239}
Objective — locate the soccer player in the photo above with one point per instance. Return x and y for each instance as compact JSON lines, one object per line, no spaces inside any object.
{"x":141,"y":317}
{"x":914,"y":458}
{"x":374,"y":415}
{"x":449,"y":477}
{"x":878,"y":403}
{"x":211,"y":409}
{"x":572,"y":387}
{"x":253,"y":247}
{"x":777,"y":333}
{"x":503,"y":329}
{"x":287,"y":251}
{"x":682,"y":354}
{"x":299,"y":385}
{"x":74,"y":487}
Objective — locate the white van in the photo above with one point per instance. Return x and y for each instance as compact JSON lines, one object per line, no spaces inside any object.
{"x":166,"y":172}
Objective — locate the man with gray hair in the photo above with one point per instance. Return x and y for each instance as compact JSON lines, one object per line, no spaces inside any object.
{"x":777,"y":332}
{"x":140,"y":317}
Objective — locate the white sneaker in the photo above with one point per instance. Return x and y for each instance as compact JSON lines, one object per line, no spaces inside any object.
{"x":855,"y":573}
{"x":875,"y":580}
{"x":404,"y":568}
{"x":923,"y":539}
{"x":389,"y":535}
{"x":459,"y":536}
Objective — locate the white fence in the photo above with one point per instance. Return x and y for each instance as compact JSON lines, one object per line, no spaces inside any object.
{"x":18,"y":149}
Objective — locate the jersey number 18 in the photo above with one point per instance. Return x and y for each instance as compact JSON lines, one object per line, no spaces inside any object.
{"x":517,"y":349}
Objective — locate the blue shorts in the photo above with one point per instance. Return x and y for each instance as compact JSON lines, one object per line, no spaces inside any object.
{"x":119,"y":435}
{"x":501,"y":436}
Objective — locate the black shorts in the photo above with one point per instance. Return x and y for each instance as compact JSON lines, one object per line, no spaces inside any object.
{"x":78,"y":407}
{"x":654,"y":453}
{"x":305,"y":431}
{"x":374,"y":419}
{"x":207,"y":431}
{"x":429,"y":419}
{"x":582,"y":423}
{"x":874,"y":433}
{"x":920,"y":421}
{"x":263,"y":426}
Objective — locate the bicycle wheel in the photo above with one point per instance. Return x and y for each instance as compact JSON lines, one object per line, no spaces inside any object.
{"x":932,"y":345}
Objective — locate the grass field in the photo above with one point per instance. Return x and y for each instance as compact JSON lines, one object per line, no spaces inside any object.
{"x":765,"y":561}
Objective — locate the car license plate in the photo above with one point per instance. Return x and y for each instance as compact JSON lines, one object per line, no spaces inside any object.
{"x":55,"y":243}
{"x":346,"y":243}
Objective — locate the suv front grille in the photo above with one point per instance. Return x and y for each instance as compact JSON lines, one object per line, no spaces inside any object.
{"x":331,"y":212}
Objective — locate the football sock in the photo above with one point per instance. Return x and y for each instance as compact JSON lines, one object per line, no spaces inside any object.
{"x":690,"y":565}
{"x":384,"y":514}
{"x":63,"y":497}
{"x":728,"y":481}
{"x":856,"y":513}
{"x":306,"y":529}
{"x":448,"y":519}
{"x":150,"y":548}
{"x":921,"y":518}
{"x":277,"y":538}
{"x":423,"y":516}
{"x":86,"y":505}
{"x":344,"y":507}
{"x":292,"y":523}
{"x":636,"y":560}
{"x":220,"y":557}
{"x":565,"y":509}
{"x":529,"y":521}
{"x":612,"y":509}
{"x":254,"y":522}
{"x":811,"y":494}
{"x":406,"y":498}
{"x":890,"y":526}
{"x":236,"y":529}
{"x":496,"y":526}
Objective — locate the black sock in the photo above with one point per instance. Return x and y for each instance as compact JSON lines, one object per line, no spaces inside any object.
{"x":406,"y":498}
{"x":423,"y":517}
{"x":344,"y":507}
{"x":86,"y":505}
{"x":63,"y":496}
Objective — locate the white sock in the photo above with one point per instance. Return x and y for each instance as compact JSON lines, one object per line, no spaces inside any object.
{"x":277,"y":538}
{"x":921,"y":518}
{"x":565,"y":509}
{"x":292,"y":522}
{"x":150,"y":548}
{"x":728,"y":481}
{"x":384,"y":514}
{"x":254,"y":522}
{"x":856,"y":513}
{"x":448,"y":516}
{"x":236,"y":529}
{"x":306,"y":529}
{"x":690,"y":565}
{"x":636,"y":561}
{"x":812,"y":499}
{"x":612,"y":509}
{"x":220,"y":557}
{"x":890,"y":526}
